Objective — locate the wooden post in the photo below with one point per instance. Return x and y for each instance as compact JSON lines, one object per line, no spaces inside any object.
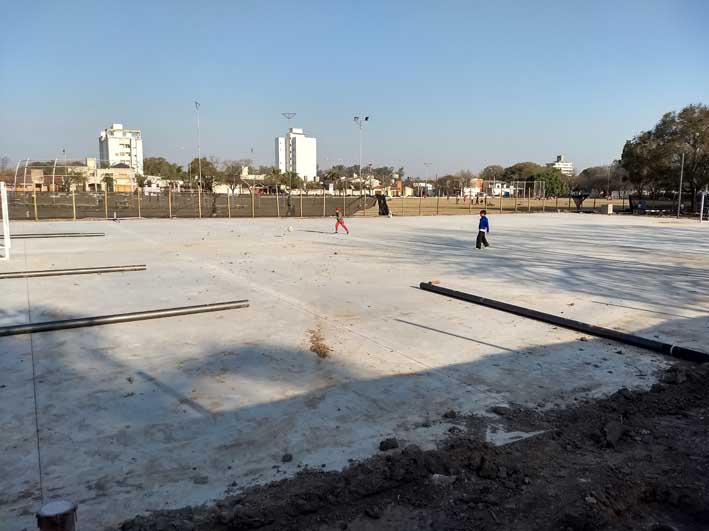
{"x":529,"y":204}
{"x":420,"y":199}
{"x":199,"y":201}
{"x":73,"y":203}
{"x":253,"y":204}
{"x":139,"y":216}
{"x":36,"y":217}
{"x":544,"y":199}
{"x":594,"y":203}
{"x":228,"y":205}
{"x":278,"y":202}
{"x":470,"y":204}
{"x":323,"y":202}
{"x":344,"y":199}
{"x":301,"y":203}
{"x":569,"y":201}
{"x":500,"y":201}
{"x":169,"y":203}
{"x":556,"y":201}
{"x":438,"y":199}
{"x":105,"y":202}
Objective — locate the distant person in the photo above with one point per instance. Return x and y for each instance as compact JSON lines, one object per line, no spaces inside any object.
{"x":483,"y":228}
{"x":340,"y":221}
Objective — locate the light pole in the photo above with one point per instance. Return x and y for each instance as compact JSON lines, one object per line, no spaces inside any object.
{"x":427,"y":165}
{"x":289,"y":156}
{"x":360,"y":121}
{"x":679,"y":197}
{"x":199,"y":147}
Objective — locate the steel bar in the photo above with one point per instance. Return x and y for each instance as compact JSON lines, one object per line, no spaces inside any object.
{"x":75,"y":271}
{"x":629,"y":339}
{"x":67,"y":324}
{"x":57,"y":235}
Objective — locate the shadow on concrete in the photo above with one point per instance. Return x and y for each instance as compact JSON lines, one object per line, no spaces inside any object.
{"x":122,"y":434}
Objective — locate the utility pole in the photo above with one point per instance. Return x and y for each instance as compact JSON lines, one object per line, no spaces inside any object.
{"x":289,"y":152}
{"x":360,"y":121}
{"x":199,"y":148}
{"x":679,"y":197}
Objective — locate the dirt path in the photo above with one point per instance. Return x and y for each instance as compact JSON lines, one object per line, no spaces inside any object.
{"x":636,"y":460}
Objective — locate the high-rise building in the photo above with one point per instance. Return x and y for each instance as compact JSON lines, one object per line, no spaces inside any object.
{"x":121,"y":146}
{"x":563,"y":165}
{"x":298,"y":153}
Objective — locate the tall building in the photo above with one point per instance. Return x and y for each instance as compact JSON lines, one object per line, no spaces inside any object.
{"x":563,"y":165}
{"x":297,"y":152}
{"x":122,"y":146}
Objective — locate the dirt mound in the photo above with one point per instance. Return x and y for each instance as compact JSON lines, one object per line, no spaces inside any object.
{"x":636,"y":460}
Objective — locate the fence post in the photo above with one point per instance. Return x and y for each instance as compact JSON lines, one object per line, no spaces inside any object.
{"x":544,"y":199}
{"x":420,"y":199}
{"x":569,"y":202}
{"x":529,"y":204}
{"x":228,"y":205}
{"x":36,"y":217}
{"x":278,"y":202}
{"x":438,"y":200}
{"x":73,"y":203}
{"x":323,"y":202}
{"x":105,"y":202}
{"x":139,"y":213}
{"x":344,"y":200}
{"x":169,"y":204}
{"x":199,"y":201}
{"x":470,"y":204}
{"x":301,"y":203}
{"x":500,"y":201}
{"x":556,"y":202}
{"x":253,"y":204}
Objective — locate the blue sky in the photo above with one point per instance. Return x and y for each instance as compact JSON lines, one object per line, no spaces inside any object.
{"x":459,"y":84}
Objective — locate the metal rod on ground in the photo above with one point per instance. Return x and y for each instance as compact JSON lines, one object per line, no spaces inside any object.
{"x":57,"y":235}
{"x":74,"y":271}
{"x":607,"y":333}
{"x":83,"y":322}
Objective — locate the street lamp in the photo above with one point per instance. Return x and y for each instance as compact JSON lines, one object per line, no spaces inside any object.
{"x":199,"y":148}
{"x":289,"y":157}
{"x":425,"y":176}
{"x":360,"y":121}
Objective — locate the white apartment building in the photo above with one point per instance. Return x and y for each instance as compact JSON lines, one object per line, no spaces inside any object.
{"x":297,"y":152}
{"x":122,"y":146}
{"x":563,"y":165}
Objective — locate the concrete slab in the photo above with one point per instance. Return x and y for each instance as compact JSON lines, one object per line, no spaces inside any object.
{"x":165,"y":413}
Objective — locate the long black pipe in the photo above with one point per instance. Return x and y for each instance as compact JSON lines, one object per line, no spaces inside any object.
{"x":66,"y":324}
{"x":75,"y":271}
{"x":628,"y":339}
{"x":56,"y":235}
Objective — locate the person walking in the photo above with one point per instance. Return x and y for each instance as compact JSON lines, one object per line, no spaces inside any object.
{"x":483,"y":228}
{"x":340,"y":221}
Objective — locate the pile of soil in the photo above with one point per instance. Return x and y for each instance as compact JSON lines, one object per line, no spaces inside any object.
{"x":632,"y":461}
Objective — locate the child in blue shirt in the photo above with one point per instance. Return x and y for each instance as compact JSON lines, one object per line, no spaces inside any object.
{"x":483,"y":228}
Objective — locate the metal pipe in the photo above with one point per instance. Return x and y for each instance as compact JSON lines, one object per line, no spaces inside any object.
{"x":74,"y":271}
{"x":621,"y":337}
{"x":57,"y":235}
{"x":82,"y":322}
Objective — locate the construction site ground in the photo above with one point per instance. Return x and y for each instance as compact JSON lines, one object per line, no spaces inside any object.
{"x":339,"y":351}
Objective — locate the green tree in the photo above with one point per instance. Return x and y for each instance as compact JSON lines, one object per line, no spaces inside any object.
{"x":652,"y":158}
{"x":521,"y":171}
{"x":493,"y":172}
{"x":210,"y":173}
{"x":74,"y":178}
{"x":553,"y":179}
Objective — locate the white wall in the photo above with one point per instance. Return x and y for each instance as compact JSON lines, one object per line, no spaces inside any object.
{"x":281,"y":160}
{"x":305,"y":161}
